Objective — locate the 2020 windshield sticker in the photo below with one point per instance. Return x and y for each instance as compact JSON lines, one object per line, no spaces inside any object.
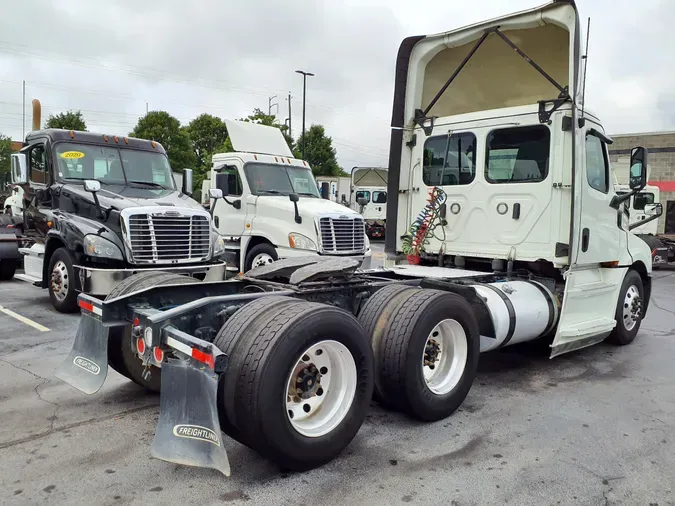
{"x":87,"y":365}
{"x":69,"y":155}
{"x":196,"y":432}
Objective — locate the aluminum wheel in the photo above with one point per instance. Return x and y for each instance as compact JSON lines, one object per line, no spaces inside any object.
{"x":444,"y":357}
{"x":321,"y":388}
{"x":261,"y":259}
{"x":59,"y":281}
{"x":632,"y":308}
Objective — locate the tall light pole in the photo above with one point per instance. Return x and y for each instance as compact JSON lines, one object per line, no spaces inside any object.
{"x":304,"y":90}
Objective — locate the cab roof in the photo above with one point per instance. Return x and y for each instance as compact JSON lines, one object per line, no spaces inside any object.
{"x":58,"y":134}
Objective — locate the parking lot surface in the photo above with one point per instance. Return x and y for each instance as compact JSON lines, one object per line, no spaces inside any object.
{"x":592,"y":427}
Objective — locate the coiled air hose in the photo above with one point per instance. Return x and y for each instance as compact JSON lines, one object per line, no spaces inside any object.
{"x":424,"y":226}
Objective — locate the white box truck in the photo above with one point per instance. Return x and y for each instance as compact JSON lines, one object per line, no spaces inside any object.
{"x":369,"y":197}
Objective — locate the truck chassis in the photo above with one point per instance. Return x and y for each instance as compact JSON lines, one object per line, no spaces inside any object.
{"x":287,"y":358}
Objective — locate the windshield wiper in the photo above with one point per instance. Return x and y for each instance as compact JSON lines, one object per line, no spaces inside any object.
{"x":307,"y":194}
{"x":273,"y":192}
{"x":148,"y":183}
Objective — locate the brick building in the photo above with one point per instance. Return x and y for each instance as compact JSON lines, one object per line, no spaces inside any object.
{"x":661,"y":167}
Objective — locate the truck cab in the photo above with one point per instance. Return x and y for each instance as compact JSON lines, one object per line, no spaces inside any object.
{"x":369,"y":197}
{"x":100,"y":208}
{"x":272,"y":207}
{"x":498,"y":108}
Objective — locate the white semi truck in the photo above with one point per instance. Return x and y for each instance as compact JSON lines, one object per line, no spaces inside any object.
{"x":285,"y":359}
{"x":272,"y":207}
{"x":339,"y":188}
{"x":369,"y":197}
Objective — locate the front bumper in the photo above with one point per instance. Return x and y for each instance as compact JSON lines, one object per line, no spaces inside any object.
{"x":102,"y":281}
{"x":364,"y":259}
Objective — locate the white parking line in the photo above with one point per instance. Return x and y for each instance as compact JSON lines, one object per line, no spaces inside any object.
{"x":23,"y":319}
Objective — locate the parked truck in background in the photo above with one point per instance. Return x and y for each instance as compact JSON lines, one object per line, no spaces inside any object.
{"x":99,"y":208}
{"x":369,"y":197}
{"x":272,"y":207}
{"x":339,"y":188}
{"x":285,"y":358}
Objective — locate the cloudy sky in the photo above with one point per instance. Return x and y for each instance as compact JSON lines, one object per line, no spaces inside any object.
{"x":110,"y":58}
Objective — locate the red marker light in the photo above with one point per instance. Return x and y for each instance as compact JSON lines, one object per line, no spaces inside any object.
{"x":159,"y":354}
{"x":140,"y":345}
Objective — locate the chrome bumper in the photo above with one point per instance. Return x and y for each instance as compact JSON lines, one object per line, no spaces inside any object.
{"x":102,"y":281}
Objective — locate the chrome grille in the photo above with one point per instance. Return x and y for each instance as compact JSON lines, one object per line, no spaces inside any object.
{"x":342,"y":235}
{"x":168,"y":238}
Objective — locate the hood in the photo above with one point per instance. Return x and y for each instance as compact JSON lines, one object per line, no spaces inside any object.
{"x":121,"y":197}
{"x":307,"y":206}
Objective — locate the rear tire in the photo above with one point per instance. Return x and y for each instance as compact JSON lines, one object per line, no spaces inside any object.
{"x":121,"y":355}
{"x":629,"y":310}
{"x":436,"y":328}
{"x":7,"y":269}
{"x":62,"y":282}
{"x":374,"y":316}
{"x":266,"y":364}
{"x":249,"y":319}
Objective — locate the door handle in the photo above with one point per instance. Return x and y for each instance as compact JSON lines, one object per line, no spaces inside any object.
{"x":516,"y":211}
{"x":585,"y":238}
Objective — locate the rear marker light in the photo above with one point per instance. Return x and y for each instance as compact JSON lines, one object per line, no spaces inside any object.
{"x":158,"y":354}
{"x":140,"y":346}
{"x":203,"y":357}
{"x":86,"y":306}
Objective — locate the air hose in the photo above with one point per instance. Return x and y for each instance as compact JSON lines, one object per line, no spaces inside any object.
{"x":424,"y":226}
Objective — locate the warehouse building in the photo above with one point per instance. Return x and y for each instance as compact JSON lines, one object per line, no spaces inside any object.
{"x":661,"y":167}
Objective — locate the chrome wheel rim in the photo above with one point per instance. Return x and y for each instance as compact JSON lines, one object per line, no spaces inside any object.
{"x":261,"y":259}
{"x":321,"y":388}
{"x":632,"y":308}
{"x":444,"y":356}
{"x":60,"y":281}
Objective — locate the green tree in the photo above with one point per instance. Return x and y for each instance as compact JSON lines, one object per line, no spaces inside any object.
{"x":5,"y":152}
{"x":71,"y":120}
{"x":319,"y":152}
{"x":160,"y":126}
{"x":206,"y":134}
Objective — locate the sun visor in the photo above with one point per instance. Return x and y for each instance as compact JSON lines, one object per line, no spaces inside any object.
{"x":254,"y":138}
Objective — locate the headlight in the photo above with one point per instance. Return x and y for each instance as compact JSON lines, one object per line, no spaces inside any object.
{"x":218,"y":246}
{"x":97,"y":246}
{"x":299,"y":241}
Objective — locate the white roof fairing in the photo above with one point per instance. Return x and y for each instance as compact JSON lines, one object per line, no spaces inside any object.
{"x":255,"y":138}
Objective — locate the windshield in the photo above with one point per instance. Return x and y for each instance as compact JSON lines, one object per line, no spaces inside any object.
{"x":113,"y":165}
{"x":270,"y":179}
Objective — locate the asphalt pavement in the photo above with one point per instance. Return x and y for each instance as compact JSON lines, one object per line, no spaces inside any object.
{"x":595,"y":426}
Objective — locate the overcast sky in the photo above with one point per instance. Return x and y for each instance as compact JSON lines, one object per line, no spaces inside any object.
{"x":108,"y":58}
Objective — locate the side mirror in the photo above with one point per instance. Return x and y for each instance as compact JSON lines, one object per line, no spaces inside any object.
{"x":215,"y":193}
{"x":293,"y":197}
{"x":638,"y":168}
{"x":221,"y":184}
{"x":187,"y":182}
{"x":362,"y":201}
{"x":92,"y":186}
{"x":19,"y":168}
{"x":654,"y":209}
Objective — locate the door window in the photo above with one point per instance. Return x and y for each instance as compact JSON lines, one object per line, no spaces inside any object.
{"x":597,"y":168}
{"x":518,"y":155}
{"x":37,"y":160}
{"x":234,"y":186}
{"x":641,"y":200}
{"x":362,"y":194}
{"x":449,"y":160}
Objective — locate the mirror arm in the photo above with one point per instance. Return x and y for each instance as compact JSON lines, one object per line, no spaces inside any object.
{"x":298,"y":218}
{"x":645,"y":221}
{"x":101,"y":214}
{"x":617,"y":200}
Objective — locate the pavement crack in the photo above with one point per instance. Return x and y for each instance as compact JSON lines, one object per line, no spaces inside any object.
{"x":24,"y":370}
{"x":40,"y":435}
{"x":653,"y":301}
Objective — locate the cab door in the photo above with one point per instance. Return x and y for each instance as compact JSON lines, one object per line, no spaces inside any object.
{"x":229,"y":213}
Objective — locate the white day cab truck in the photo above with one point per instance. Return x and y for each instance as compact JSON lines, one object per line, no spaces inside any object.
{"x":286,"y":358}
{"x":369,"y":197}
{"x":272,"y":208}
{"x":337,"y":189}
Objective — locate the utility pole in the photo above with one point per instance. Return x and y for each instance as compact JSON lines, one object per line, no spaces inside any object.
{"x":146,"y":108}
{"x":290,"y":129}
{"x":270,"y":105}
{"x":304,"y":102}
{"x":23,"y":112}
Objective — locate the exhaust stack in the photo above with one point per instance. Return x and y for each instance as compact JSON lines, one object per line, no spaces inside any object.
{"x":37,"y":112}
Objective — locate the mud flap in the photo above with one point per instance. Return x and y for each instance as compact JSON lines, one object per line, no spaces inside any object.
{"x":87,"y":365}
{"x":188,"y":430}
